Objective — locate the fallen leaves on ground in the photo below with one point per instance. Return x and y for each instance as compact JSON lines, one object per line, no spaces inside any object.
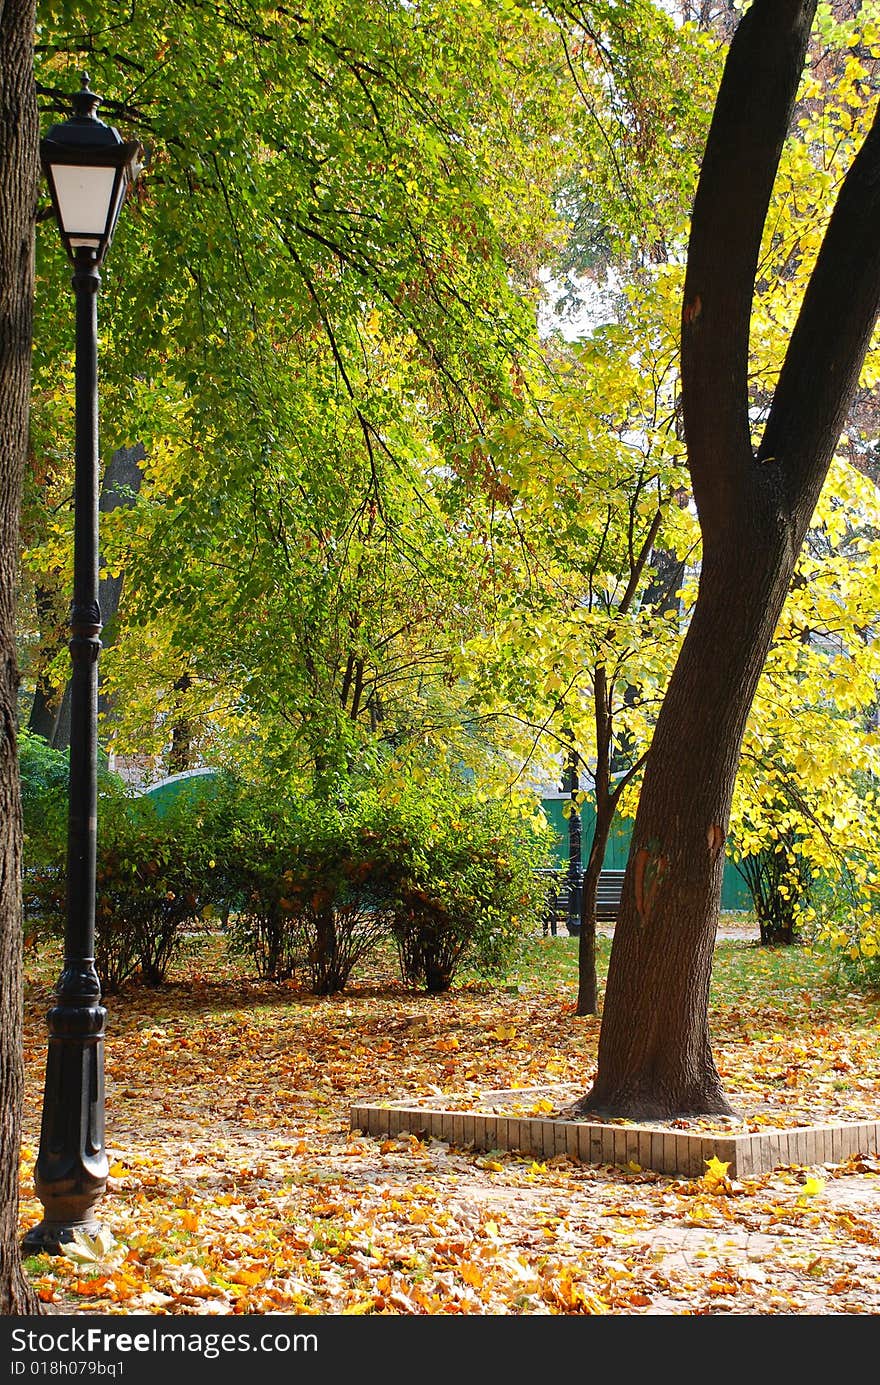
{"x":236,"y":1185}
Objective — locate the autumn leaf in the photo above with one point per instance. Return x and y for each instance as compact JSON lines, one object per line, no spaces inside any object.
{"x":715,"y":1176}
{"x":812,"y":1188}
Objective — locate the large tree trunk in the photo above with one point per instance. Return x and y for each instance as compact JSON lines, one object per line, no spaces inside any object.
{"x":655,"y":1058}
{"x":661,"y":957}
{"x":18,"y":182}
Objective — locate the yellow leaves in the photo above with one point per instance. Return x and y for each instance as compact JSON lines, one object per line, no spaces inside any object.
{"x":504,"y":1032}
{"x":293,"y":1217}
{"x":361,"y":1308}
{"x":813,"y":1187}
{"x":702,"y":1213}
{"x":573,"y":1296}
{"x":721,"y":1284}
{"x":557,"y":1066}
{"x":471,"y":1274}
{"x":715,"y":1177}
{"x":420,"y":1215}
{"x":249,"y":1277}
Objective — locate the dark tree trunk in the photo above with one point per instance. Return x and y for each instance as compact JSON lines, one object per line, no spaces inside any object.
{"x":41,"y":719}
{"x":662,"y":952}
{"x":655,"y":1058}
{"x":60,"y":739}
{"x":43,"y":716}
{"x":588,"y":984}
{"x":120,"y":486}
{"x":180,"y":754}
{"x":50,"y":708}
{"x":588,"y":981}
{"x":18,"y":192}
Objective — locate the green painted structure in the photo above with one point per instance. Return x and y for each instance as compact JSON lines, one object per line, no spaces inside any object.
{"x":192,"y":783}
{"x":735,"y":896}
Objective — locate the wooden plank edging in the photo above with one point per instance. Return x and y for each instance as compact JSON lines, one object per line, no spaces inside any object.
{"x":681,"y":1152}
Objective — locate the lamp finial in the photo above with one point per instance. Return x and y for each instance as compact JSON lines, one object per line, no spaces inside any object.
{"x":85,"y":102}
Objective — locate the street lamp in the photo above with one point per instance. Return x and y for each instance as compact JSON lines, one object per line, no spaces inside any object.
{"x":575,"y":878}
{"x":89,"y":169}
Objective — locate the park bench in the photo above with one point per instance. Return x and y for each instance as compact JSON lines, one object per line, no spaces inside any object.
{"x":607,"y":897}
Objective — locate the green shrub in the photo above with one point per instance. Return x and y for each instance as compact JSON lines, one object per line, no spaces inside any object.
{"x":465,"y":888}
{"x":255,"y":853}
{"x":44,"y":775}
{"x":307,"y":895}
{"x":153,"y":881}
{"x":310,"y":886}
{"x":450,"y":877}
{"x":779,"y":880}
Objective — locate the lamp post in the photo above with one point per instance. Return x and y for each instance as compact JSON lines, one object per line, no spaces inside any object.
{"x":575,"y":879}
{"x":89,"y":169}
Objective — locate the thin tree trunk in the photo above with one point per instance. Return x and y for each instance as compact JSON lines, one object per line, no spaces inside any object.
{"x":46,"y":701}
{"x":18,"y":181}
{"x":180,"y":754}
{"x":41,"y":720}
{"x":50,"y":708}
{"x":607,"y":798}
{"x":588,"y":982}
{"x":120,"y":485}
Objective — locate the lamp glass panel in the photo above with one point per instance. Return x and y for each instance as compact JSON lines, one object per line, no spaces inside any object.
{"x":84,"y":195}
{"x":118,"y":199}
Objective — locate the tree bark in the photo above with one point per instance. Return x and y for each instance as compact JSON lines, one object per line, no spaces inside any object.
{"x":654,"y":1051}
{"x":43,"y":717}
{"x":588,"y":982}
{"x":18,"y":192}
{"x":50,"y":708}
{"x":120,"y":485}
{"x":655,"y":1059}
{"x":180,"y":754}
{"x":607,"y":798}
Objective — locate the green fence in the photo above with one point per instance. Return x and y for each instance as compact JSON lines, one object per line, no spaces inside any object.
{"x":734,"y":894}
{"x":192,"y":784}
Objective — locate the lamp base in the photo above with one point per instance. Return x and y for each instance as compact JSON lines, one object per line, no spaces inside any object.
{"x":50,"y":1238}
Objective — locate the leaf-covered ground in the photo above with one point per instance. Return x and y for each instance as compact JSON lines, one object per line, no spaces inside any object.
{"x":237,"y":1186}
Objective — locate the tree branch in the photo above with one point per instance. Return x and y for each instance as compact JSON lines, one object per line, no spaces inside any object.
{"x":749,"y":125}
{"x":830,"y":339}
